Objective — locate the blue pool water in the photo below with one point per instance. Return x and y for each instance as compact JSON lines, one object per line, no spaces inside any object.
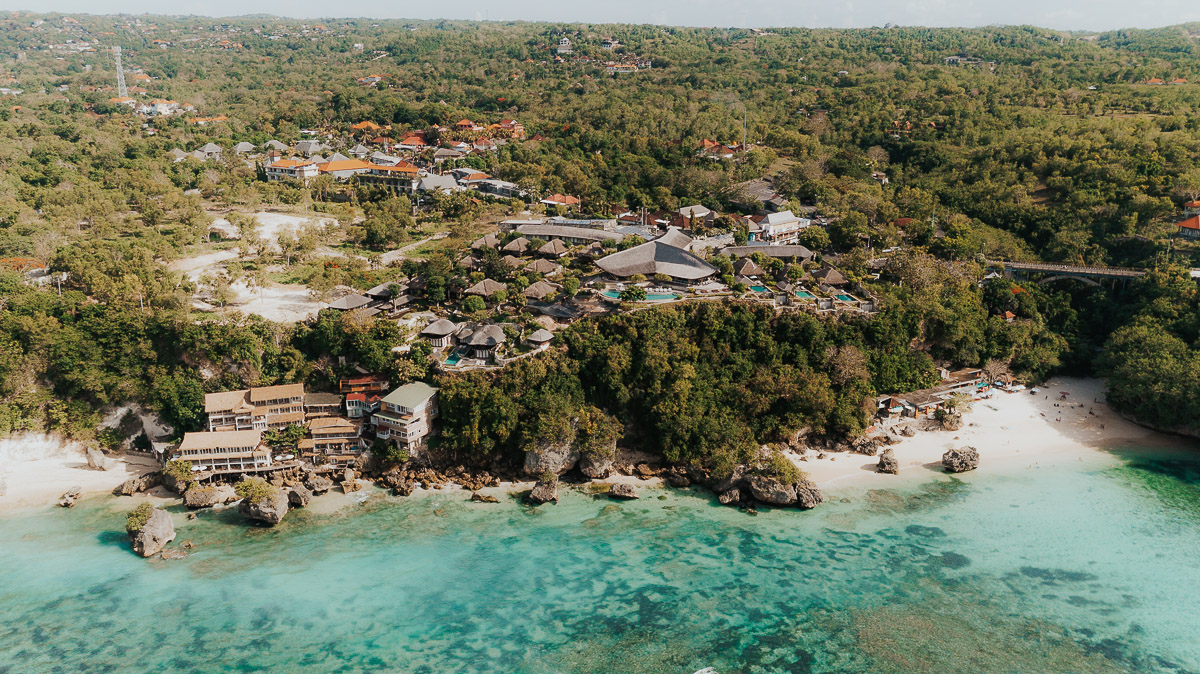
{"x":454,"y":358}
{"x":805,"y":295}
{"x":846,"y":298}
{"x":1070,"y":569}
{"x":759,"y":289}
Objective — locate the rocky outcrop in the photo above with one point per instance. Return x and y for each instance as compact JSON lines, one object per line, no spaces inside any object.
{"x":960,"y":460}
{"x":730,"y":497}
{"x":209,"y":495}
{"x":483,"y":498}
{"x":298,"y":496}
{"x":175,"y":483}
{"x":734,"y":480}
{"x":173,"y":553}
{"x":154,"y":534}
{"x":908,"y":431}
{"x":551,"y":457}
{"x":68,"y":499}
{"x":771,"y":490}
{"x":139,"y":484}
{"x":623,"y":491}
{"x":318,"y":485}
{"x":545,"y":491}
{"x":678,"y":478}
{"x":268,"y":508}
{"x":808,"y":494}
{"x":96,"y":459}
{"x":595,"y":467}
{"x":887,"y":462}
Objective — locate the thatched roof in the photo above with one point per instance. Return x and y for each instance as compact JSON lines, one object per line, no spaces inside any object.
{"x":539,"y":290}
{"x":439,"y":328}
{"x":486,"y":336}
{"x":748,"y":267}
{"x":518,"y":245}
{"x":486,"y":288}
{"x":656,"y":257}
{"x":553,"y":247}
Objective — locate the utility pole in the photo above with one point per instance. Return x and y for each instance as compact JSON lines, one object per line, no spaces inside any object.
{"x":121,"y":90}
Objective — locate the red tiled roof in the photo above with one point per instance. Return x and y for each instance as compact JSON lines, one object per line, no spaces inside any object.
{"x":1191,"y":223}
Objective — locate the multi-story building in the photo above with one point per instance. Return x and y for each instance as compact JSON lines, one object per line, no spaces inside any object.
{"x":406,"y":415}
{"x":292,"y":169}
{"x":781,"y":228}
{"x":256,"y":408}
{"x":400,"y":178}
{"x":362,"y":404}
{"x":225,"y":452}
{"x":334,"y":438}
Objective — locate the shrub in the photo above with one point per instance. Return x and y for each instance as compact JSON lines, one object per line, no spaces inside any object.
{"x":179,"y":469}
{"x":137,"y":518}
{"x":255,"y":490}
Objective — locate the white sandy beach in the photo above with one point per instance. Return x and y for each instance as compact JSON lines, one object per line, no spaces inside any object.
{"x":1012,"y":431}
{"x":39,"y":469}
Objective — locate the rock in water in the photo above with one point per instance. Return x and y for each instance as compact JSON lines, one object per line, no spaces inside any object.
{"x":136,"y":485}
{"x":298,"y":496}
{"x":771,"y":490}
{"x":96,"y":459}
{"x":483,"y":498}
{"x":623,"y":491}
{"x":68,"y":499}
{"x":318,"y":485}
{"x":887,"y":462}
{"x":808,"y":494}
{"x":154,"y":534}
{"x":730,"y":497}
{"x":960,"y":460}
{"x":209,"y":495}
{"x":551,"y":457}
{"x":174,"y":553}
{"x":270,"y":508}
{"x":544,"y":491}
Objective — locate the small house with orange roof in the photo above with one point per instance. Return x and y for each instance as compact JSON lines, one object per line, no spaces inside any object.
{"x":1190,"y":228}
{"x":123,"y":100}
{"x":1191,"y":208}
{"x":560,"y":200}
{"x":1154,"y":80}
{"x":366,"y":126}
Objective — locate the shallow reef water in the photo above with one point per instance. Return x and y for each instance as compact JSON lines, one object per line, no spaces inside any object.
{"x":1053,"y":571}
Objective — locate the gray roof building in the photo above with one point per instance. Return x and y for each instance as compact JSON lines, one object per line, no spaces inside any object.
{"x":349,"y":302}
{"x":439,"y":328}
{"x":784,"y":252}
{"x":656,"y":257}
{"x":540,"y":290}
{"x":275,"y":145}
{"x":243,"y":147}
{"x":675,"y":237}
{"x":486,"y":288}
{"x":410,"y":396}
{"x":568,"y":234}
{"x":488,"y":336}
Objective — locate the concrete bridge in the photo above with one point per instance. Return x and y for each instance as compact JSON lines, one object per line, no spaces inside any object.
{"x":1054,"y":272}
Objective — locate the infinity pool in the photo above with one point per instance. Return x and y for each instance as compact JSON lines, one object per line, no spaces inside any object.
{"x":805,"y":295}
{"x":650,"y":297}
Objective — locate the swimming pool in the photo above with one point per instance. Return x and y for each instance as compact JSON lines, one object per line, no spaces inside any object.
{"x":453,"y":359}
{"x":846,"y":298}
{"x":650,"y":297}
{"x":805,"y":295}
{"x":759,"y":289}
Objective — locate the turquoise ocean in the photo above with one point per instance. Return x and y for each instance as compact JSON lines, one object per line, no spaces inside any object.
{"x":1071,"y":569}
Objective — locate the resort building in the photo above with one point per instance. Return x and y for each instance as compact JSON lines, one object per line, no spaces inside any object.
{"x":440,"y":333}
{"x":406,"y":415}
{"x":225,"y":452}
{"x":292,"y":169}
{"x":321,"y":405}
{"x":485,"y":341}
{"x":256,"y":408}
{"x":399,"y":178}
{"x":367,"y":383}
{"x":334,"y":438}
{"x":656,"y":257}
{"x":781,"y":228}
{"x":360,"y":405}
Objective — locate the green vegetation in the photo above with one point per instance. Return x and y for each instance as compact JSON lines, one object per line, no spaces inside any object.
{"x":1059,"y":152}
{"x":137,"y":518}
{"x":255,"y":490}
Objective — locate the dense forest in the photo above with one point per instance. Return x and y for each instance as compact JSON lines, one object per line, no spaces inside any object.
{"x":1050,"y":146}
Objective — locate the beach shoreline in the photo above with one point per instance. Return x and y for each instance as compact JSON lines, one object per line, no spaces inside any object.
{"x":1013,"y":432}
